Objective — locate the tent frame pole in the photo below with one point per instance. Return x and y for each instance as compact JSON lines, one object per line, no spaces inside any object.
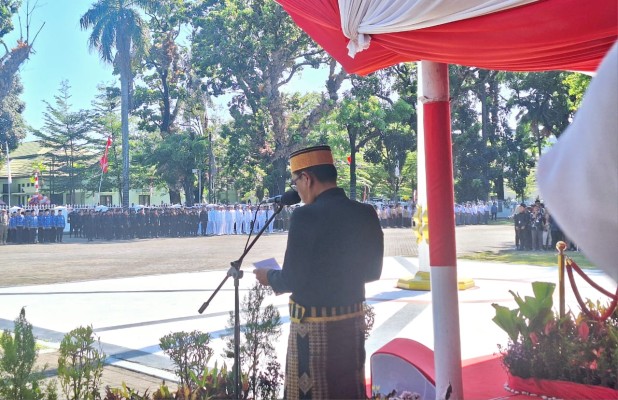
{"x":442,"y":250}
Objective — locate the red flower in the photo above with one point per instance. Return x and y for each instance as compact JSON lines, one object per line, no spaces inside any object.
{"x":583,"y":330}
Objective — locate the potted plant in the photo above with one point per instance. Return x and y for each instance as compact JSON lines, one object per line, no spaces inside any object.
{"x":570,"y":357}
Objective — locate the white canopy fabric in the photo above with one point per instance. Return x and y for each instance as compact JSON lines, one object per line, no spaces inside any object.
{"x":362,"y":18}
{"x":578,"y":177}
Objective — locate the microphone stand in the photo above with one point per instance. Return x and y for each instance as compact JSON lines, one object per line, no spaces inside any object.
{"x":237,"y":274}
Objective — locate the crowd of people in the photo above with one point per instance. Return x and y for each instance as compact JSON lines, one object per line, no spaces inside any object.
{"x":29,"y":226}
{"x":138,"y":222}
{"x":476,"y":213}
{"x":536,"y":229}
{"x":395,"y":216}
{"x":32,"y":226}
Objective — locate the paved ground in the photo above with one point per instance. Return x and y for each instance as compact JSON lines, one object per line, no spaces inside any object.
{"x":134,"y":292}
{"x":77,"y":260}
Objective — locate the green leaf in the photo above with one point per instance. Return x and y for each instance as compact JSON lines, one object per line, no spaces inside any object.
{"x":508,"y":320}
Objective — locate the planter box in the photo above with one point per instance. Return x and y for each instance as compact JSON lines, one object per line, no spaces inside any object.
{"x":560,"y":389}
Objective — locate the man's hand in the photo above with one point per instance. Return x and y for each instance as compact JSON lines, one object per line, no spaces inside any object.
{"x":261,"y":274}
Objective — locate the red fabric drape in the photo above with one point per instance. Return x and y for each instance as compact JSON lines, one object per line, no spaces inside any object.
{"x":440,"y":198}
{"x":547,"y":35}
{"x":561,"y":389}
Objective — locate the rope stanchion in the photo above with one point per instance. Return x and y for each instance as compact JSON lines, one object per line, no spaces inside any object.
{"x":570,"y":266}
{"x":572,"y":263}
{"x":561,"y":246}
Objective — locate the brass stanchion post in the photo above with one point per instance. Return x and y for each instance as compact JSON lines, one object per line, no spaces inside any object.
{"x":561,"y":246}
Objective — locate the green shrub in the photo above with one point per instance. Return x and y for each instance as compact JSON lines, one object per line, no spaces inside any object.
{"x":544,"y":346}
{"x":18,"y":378}
{"x":125,"y":393}
{"x":80,"y":364}
{"x":190,"y":352}
{"x":261,"y":329}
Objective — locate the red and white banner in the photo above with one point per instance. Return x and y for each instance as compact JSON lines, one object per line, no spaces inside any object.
{"x":103,"y":161}
{"x":36,"y":182}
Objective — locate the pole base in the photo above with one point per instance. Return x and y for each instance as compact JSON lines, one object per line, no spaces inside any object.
{"x":421,"y":281}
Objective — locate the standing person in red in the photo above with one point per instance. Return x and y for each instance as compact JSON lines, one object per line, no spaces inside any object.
{"x":335,"y":246}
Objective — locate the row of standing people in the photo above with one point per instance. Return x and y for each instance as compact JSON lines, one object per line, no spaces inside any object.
{"x":475,"y":213}
{"x":242,"y":219}
{"x":392,"y":216}
{"x":32,"y":226}
{"x":118,"y":224}
{"x":536,"y":229}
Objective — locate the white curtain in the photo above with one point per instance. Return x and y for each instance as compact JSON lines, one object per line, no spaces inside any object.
{"x":362,"y":18}
{"x":578,"y":177}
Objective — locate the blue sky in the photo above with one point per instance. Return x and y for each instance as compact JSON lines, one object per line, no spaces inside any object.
{"x":62,"y":53}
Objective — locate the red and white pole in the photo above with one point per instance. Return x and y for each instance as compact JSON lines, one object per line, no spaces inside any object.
{"x":434,"y":94}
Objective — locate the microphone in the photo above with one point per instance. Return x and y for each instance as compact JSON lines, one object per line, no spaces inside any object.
{"x":287,"y":199}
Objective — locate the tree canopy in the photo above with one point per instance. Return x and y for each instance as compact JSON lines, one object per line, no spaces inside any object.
{"x":177,"y":59}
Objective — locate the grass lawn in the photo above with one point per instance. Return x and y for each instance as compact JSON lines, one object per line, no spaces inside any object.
{"x":540,"y":258}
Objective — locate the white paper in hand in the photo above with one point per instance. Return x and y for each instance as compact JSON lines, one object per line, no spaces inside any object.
{"x":269,"y":263}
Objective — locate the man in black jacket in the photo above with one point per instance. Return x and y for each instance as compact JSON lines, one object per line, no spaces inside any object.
{"x":335,"y":245}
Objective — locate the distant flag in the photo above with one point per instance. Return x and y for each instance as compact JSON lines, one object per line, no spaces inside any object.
{"x":36,"y":182}
{"x":104,"y":163}
{"x":8,"y":163}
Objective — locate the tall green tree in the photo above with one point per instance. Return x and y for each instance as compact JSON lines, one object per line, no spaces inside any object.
{"x":363,"y":121}
{"x":576,"y":84}
{"x":65,"y":133}
{"x":13,"y":58}
{"x":106,"y":124}
{"x":396,"y":87}
{"x":12,"y":127}
{"x":253,"y":49}
{"x":541,"y":100}
{"x":171,"y":99}
{"x":480,"y":128}
{"x":119,"y":35}
{"x":520,"y":161}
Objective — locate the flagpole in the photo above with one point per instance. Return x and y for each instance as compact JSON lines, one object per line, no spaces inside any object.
{"x":100,"y":182}
{"x":9,"y":177}
{"x":103,"y":163}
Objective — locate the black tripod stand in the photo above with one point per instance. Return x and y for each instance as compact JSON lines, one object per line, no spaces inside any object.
{"x":237,"y":274}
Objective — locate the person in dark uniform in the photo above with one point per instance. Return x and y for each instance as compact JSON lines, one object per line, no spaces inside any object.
{"x":335,"y":246}
{"x":88,"y":225}
{"x":72,"y":219}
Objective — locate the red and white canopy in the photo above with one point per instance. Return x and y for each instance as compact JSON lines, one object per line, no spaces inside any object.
{"x":511,"y":35}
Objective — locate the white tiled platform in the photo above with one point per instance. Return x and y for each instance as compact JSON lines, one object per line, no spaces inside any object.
{"x":130,"y":315}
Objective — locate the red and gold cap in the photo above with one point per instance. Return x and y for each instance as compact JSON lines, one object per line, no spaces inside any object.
{"x":311,"y":156}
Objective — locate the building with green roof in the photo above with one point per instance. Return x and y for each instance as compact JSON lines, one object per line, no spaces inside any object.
{"x":32,"y":158}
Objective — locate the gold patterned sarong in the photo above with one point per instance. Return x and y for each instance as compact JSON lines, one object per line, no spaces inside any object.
{"x":326,"y":353}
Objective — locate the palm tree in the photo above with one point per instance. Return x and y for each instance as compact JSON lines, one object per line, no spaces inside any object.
{"x":117,"y":25}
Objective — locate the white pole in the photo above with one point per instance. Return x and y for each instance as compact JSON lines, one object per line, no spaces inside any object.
{"x":442,"y":252}
{"x":9,"y":177}
{"x":100,"y":182}
{"x":421,"y":191}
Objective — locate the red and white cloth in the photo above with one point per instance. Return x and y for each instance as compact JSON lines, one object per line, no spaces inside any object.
{"x":104,"y":162}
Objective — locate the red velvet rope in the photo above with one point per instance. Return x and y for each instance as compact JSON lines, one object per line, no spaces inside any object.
{"x":587,"y":278}
{"x":609,"y":311}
